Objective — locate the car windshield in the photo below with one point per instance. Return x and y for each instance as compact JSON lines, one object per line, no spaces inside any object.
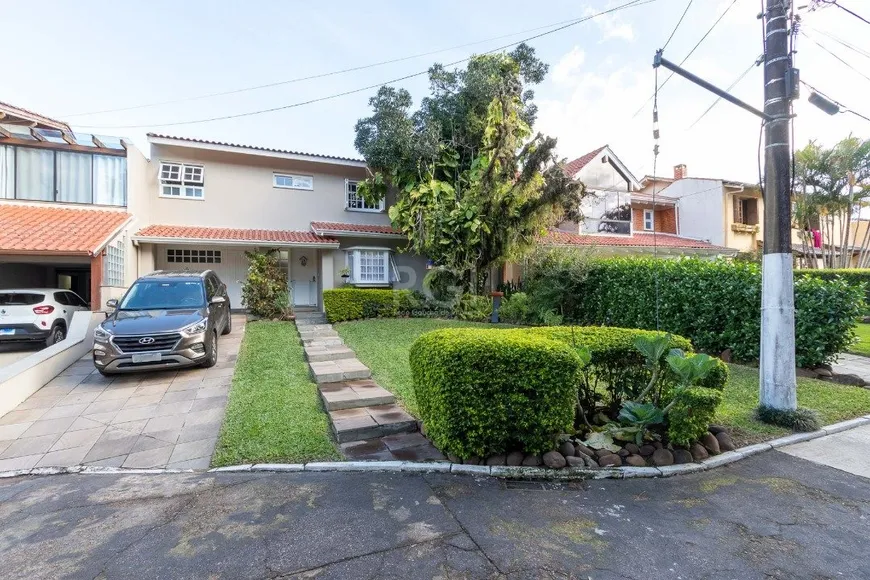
{"x":164,"y":295}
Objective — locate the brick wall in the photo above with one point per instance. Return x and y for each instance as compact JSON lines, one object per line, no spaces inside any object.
{"x":665,"y":221}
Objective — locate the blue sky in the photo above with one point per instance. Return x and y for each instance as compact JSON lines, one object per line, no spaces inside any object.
{"x":85,"y":56}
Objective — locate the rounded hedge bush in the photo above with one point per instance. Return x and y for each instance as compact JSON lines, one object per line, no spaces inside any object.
{"x":482,"y":392}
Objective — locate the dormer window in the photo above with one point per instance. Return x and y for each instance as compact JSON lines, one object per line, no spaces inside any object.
{"x":181,"y":180}
{"x":355,"y":202}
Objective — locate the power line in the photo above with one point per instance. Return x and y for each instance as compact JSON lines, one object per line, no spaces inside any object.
{"x":844,"y":108}
{"x":680,"y":21}
{"x":694,"y":48}
{"x":320,"y":75}
{"x":841,"y":7}
{"x":731,"y":86}
{"x":842,"y":42}
{"x":823,"y":47}
{"x":631,"y":4}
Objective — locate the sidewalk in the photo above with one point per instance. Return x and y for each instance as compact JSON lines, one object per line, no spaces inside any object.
{"x":853,"y":364}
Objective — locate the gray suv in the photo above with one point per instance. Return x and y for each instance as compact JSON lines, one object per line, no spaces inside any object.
{"x":165,"y":320}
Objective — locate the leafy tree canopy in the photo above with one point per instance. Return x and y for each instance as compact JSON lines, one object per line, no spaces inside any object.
{"x":474,"y":185}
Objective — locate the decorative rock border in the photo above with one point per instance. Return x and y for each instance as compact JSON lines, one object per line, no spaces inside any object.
{"x":499,"y":471}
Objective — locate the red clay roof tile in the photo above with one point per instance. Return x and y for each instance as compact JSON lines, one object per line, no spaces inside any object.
{"x":29,"y":229}
{"x":233,"y":234}
{"x":572,"y":167}
{"x":636,"y":239}
{"x":353,"y":228}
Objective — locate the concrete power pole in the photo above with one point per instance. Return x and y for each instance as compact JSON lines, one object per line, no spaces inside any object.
{"x":777,"y":373}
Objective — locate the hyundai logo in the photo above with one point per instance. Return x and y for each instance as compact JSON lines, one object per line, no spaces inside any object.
{"x":146,"y":340}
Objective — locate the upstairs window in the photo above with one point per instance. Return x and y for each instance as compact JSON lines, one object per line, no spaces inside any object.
{"x":355,"y":202}
{"x":181,"y":180}
{"x":648,"y":220}
{"x":746,"y":211}
{"x":287,"y":181}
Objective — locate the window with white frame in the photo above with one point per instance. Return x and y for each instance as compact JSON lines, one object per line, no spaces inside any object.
{"x":371,"y":266}
{"x":193,"y":256}
{"x":114,"y":264}
{"x":181,"y":180}
{"x":288,"y":181}
{"x":355,"y":202}
{"x":648,"y":220}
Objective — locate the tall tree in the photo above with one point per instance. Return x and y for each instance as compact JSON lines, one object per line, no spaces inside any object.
{"x":474,"y":186}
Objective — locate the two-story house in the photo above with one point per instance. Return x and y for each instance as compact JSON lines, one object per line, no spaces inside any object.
{"x":206,"y":203}
{"x":727,"y":213}
{"x":65,"y":211}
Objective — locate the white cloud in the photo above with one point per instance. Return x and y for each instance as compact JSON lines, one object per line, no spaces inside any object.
{"x":611,"y":25}
{"x":566,"y":69}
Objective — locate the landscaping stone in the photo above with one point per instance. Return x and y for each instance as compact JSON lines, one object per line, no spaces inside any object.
{"x":602,"y":452}
{"x":716,"y":429}
{"x":453,"y":458}
{"x":662,"y":457}
{"x":531,"y":461}
{"x":725,"y":442}
{"x":682,"y":456}
{"x":580,"y":448}
{"x":590,"y":462}
{"x":726,"y":355}
{"x":567,"y":449}
{"x":554,"y":460}
{"x":496,"y":460}
{"x":632,"y":448}
{"x":848,"y":379}
{"x":623,"y":453}
{"x":574,"y":461}
{"x":514,"y":458}
{"x":823,"y":373}
{"x":647,"y":450}
{"x":610,"y":460}
{"x":473,"y":460}
{"x":698,"y":452}
{"x":710,"y":443}
{"x":658,"y":445}
{"x":635,"y":461}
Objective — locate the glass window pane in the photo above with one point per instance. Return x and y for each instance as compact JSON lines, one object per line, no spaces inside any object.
{"x":7,"y":172}
{"x":110,"y":180}
{"x":35,"y":169}
{"x":74,"y":177}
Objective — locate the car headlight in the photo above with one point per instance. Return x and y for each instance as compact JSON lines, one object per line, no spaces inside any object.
{"x":195,"y":328}
{"x":101,"y":333}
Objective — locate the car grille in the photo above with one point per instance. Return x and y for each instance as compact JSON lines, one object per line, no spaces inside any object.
{"x":162,"y":342}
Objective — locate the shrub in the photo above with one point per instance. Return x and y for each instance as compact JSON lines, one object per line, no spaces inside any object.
{"x":554,"y":281}
{"x":474,"y":308}
{"x":716,"y":304}
{"x":264,"y":291}
{"x":487,"y":391}
{"x":516,"y":309}
{"x":800,"y":419}
{"x":343,"y":304}
{"x":691,"y":414}
{"x":852,"y":276}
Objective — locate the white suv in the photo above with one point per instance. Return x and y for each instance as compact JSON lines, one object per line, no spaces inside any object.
{"x":43,"y":315}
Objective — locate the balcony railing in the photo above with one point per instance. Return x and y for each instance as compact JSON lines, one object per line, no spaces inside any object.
{"x":608,"y":226}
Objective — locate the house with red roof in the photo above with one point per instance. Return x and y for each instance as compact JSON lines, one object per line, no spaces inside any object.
{"x":66,"y":218}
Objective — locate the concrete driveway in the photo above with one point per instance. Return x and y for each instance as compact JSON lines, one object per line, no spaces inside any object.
{"x":164,"y":419}
{"x":772,"y":516}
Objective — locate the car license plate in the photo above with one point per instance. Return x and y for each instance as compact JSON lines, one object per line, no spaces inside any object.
{"x":6,"y":331}
{"x":147,"y":357}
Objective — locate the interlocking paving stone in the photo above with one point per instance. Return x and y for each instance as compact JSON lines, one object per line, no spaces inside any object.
{"x":151,"y":458}
{"x":65,"y":411}
{"x":29,"y":446}
{"x":193,"y":450}
{"x":14,"y":463}
{"x":83,"y":438}
{"x":64,"y":457}
{"x":103,"y":407}
{"x":49,"y":427}
{"x":176,"y":396}
{"x":14,"y":417}
{"x":209,"y":403}
{"x":13,"y":431}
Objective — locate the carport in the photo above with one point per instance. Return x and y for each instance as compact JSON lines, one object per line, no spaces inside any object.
{"x":50,"y":247}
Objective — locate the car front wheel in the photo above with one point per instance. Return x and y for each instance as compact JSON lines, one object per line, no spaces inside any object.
{"x":57,"y":334}
{"x":228,"y":327}
{"x":211,"y":353}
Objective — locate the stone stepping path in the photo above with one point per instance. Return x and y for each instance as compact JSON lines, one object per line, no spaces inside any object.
{"x":366,"y":421}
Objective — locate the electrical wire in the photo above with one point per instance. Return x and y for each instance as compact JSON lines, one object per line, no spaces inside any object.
{"x":322,"y":75}
{"x":823,"y":47}
{"x":844,"y":108}
{"x":842,"y":42}
{"x":841,"y":7}
{"x":631,"y":4}
{"x":685,"y":58}
{"x":731,"y":86}
{"x":680,"y":21}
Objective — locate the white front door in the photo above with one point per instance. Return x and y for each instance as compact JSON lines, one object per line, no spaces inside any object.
{"x":303,"y":272}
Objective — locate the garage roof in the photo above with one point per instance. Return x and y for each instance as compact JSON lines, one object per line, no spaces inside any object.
{"x":233,"y":236}
{"x":28,"y":229}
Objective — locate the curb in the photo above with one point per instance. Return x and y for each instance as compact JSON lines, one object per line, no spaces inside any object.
{"x":498,"y":471}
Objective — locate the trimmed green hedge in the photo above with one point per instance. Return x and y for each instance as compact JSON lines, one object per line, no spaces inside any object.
{"x":691,"y":415}
{"x":354,"y":303}
{"x":853,"y":276}
{"x":716,"y":304}
{"x":486,"y":391}
{"x":616,"y":365}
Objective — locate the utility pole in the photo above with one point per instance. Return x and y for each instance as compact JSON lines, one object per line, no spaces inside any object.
{"x":777,"y":373}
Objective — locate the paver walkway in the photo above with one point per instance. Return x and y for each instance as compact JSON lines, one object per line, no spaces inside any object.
{"x":365,"y":419}
{"x":853,"y":364}
{"x":770,"y":517}
{"x":157,"y":419}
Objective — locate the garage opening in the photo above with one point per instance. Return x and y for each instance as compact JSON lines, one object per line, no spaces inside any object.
{"x":25,"y":272}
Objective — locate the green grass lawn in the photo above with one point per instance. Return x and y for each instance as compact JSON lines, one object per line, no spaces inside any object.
{"x":274,"y":413}
{"x":863,"y":344}
{"x":383,"y":344}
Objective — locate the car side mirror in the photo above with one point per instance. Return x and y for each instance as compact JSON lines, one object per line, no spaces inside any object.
{"x":111,"y":303}
{"x":218,"y":300}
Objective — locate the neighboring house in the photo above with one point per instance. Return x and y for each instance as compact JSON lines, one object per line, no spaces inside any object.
{"x":65,"y":207}
{"x":724,"y":212}
{"x":207,"y":203}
